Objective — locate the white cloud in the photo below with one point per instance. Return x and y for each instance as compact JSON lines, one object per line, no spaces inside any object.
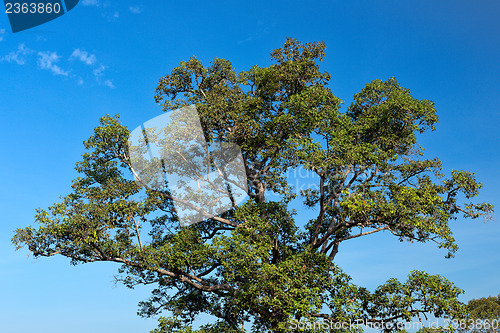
{"x":47,"y":60}
{"x":51,"y":61}
{"x":135,"y":9}
{"x":109,"y":84}
{"x":105,"y":7}
{"x":99,"y":71}
{"x":2,"y":32}
{"x":94,"y":3}
{"x":83,"y":56}
{"x":17,"y":56}
{"x":111,"y":17}
{"x":96,"y":66}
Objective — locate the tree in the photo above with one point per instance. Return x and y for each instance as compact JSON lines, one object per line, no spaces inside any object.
{"x":255,"y":264}
{"x":483,"y":315}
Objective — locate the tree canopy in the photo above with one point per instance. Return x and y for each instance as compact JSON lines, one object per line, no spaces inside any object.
{"x":257,"y":265}
{"x":483,"y":315}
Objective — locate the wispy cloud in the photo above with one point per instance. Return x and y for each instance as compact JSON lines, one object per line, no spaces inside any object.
{"x":2,"y":32}
{"x":109,"y":84}
{"x":47,"y":60}
{"x":18,"y":55}
{"x":63,"y":66}
{"x":93,"y":3}
{"x":98,"y":71}
{"x":135,"y":9}
{"x":98,"y":68}
{"x":99,"y":76}
{"x":83,"y":56}
{"x":106,"y":9}
{"x":112,"y":17}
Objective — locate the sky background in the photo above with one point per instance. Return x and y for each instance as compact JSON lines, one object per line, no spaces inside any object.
{"x":105,"y":57}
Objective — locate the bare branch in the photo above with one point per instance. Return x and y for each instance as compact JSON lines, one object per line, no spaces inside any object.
{"x":137,"y":232}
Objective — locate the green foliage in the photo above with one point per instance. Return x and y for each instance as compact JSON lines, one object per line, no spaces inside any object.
{"x":255,"y":265}
{"x":484,"y":308}
{"x":482,"y":315}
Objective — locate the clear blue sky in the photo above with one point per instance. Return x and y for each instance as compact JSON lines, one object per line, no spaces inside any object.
{"x":58,"y":79}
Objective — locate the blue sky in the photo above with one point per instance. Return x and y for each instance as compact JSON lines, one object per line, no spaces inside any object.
{"x":58,"y":79}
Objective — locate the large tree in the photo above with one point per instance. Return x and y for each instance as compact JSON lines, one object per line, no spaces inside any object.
{"x":257,"y":264}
